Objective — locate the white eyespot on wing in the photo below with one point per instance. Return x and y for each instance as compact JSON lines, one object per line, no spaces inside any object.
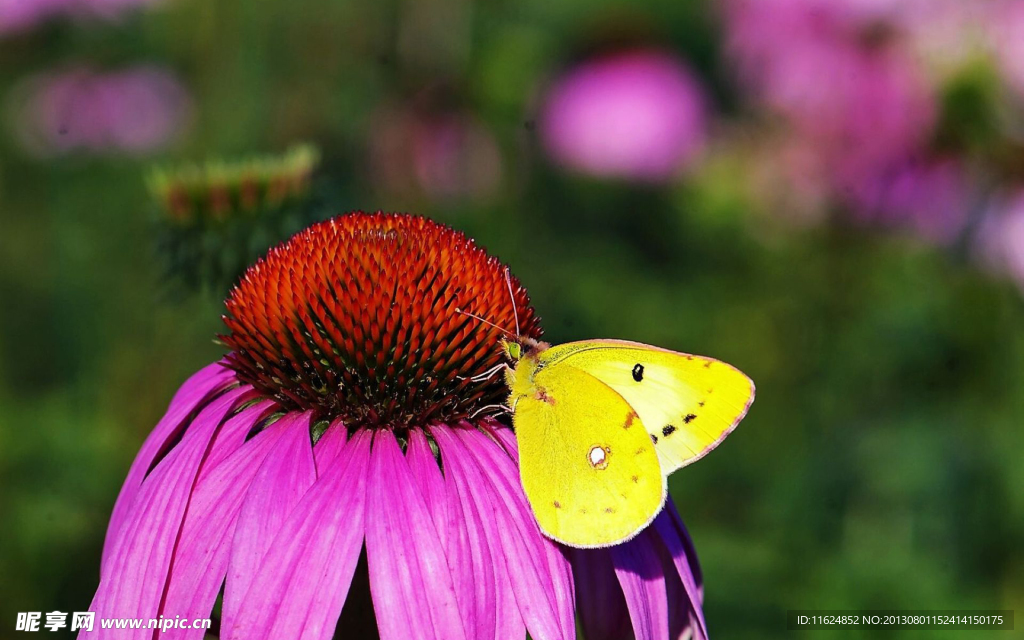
{"x":598,"y":457}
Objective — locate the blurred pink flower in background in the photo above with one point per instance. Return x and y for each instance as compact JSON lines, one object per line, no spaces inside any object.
{"x":1008,"y":39}
{"x":16,"y":15}
{"x":951,"y":36}
{"x":19,"y":15}
{"x":638,"y":115}
{"x":860,"y":105}
{"x":857,"y":106}
{"x":135,"y":110}
{"x":1000,"y":239}
{"x":929,"y":197}
{"x":447,"y":155}
{"x":455,"y":156}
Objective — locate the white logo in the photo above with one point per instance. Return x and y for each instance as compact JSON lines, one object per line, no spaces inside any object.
{"x":55,"y":620}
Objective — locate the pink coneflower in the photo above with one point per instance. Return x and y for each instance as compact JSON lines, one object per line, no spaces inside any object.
{"x":135,"y":110}
{"x":342,"y":420}
{"x":638,"y":115}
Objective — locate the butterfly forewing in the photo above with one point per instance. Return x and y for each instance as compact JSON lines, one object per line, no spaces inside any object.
{"x":687,"y":403}
{"x":588,"y":466}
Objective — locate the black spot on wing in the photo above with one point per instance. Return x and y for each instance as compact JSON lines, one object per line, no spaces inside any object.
{"x":638,"y":372}
{"x":654,"y":438}
{"x":668,"y":430}
{"x":688,"y":418}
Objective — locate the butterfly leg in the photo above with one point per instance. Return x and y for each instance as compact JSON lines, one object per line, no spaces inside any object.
{"x":500,"y":408}
{"x":486,"y":375}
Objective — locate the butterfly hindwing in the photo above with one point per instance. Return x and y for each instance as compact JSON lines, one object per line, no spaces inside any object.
{"x":687,"y":403}
{"x":588,"y":466}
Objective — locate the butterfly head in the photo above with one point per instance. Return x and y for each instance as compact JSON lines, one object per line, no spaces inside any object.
{"x":513,"y":350}
{"x":520,"y":347}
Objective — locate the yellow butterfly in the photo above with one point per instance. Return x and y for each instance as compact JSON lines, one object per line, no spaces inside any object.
{"x":602,"y":423}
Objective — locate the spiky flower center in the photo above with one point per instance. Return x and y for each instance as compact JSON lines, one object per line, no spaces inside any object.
{"x":356,"y":317}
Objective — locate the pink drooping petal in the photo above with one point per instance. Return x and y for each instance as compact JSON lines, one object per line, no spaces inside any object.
{"x":642,"y":579}
{"x":680,"y":614}
{"x":508,"y":622}
{"x":665,"y":526}
{"x":599,"y":599}
{"x":688,"y":548}
{"x":469,"y":556}
{"x":501,"y":462}
{"x":204,"y":384}
{"x":503,"y":472}
{"x":538,"y":570}
{"x":230,"y":435}
{"x":427,"y":477}
{"x":201,"y":560}
{"x":472,"y":573}
{"x":276,"y":487}
{"x":305,"y":576}
{"x":504,"y":435}
{"x":329,"y":446}
{"x":411,"y":585}
{"x":235,"y":431}
{"x":133,"y":585}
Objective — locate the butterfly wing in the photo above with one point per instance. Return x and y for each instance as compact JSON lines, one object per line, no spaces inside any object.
{"x":587,"y":465}
{"x":687,"y":403}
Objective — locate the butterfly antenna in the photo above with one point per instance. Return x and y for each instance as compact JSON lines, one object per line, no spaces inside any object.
{"x":487,"y":322}
{"x":515,"y":313}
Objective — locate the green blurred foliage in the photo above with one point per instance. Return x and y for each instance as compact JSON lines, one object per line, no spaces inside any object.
{"x":880,"y":466}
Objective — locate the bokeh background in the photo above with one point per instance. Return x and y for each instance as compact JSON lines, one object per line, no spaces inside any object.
{"x":828,"y":194}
